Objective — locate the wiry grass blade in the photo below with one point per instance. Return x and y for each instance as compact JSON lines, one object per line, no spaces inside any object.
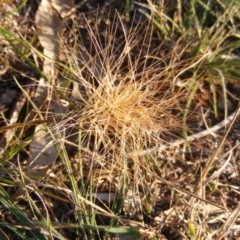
{"x":7,"y":202}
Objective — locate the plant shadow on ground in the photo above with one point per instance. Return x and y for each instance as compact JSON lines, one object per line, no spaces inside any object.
{"x":139,"y":79}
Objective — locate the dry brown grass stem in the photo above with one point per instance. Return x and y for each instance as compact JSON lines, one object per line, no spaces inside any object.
{"x":230,"y":119}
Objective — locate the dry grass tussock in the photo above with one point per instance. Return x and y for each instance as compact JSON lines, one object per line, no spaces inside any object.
{"x":126,"y":94}
{"x":126,"y":101}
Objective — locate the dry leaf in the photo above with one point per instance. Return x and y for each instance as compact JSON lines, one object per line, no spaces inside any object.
{"x":43,"y":149}
{"x":62,"y":6}
{"x":50,"y":25}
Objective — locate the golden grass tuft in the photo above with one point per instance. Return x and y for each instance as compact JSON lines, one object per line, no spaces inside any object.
{"x":130,"y":111}
{"x":127,"y":101}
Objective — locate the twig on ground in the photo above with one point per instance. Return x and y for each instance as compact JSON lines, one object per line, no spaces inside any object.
{"x":191,"y":138}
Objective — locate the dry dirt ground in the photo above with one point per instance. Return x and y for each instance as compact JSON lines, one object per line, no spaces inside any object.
{"x":181,"y":167}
